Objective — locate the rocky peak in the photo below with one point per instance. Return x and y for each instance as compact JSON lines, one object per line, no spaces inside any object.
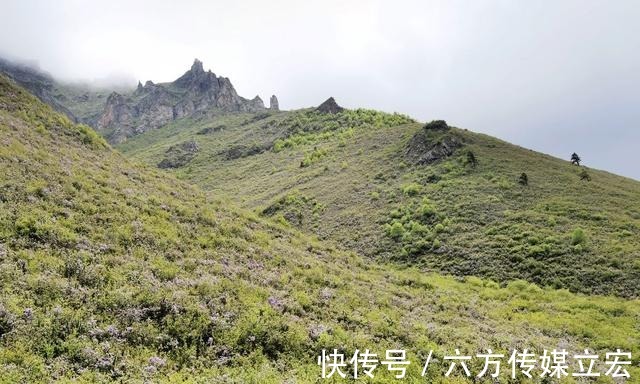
{"x":158,"y":104}
{"x":196,"y":77}
{"x":115,"y":98}
{"x":273,"y":103}
{"x":329,"y":106}
{"x":258,"y":101}
{"x":197,"y":67}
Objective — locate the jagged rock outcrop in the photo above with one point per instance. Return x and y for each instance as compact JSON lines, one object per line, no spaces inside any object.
{"x":424,"y":149}
{"x":154,"y":105}
{"x":179,"y":155}
{"x":273,"y":103}
{"x":329,"y":106}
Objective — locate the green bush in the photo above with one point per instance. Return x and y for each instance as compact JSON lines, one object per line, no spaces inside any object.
{"x":578,"y":237}
{"x":411,"y":189}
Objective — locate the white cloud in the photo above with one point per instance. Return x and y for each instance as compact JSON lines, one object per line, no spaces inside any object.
{"x":552,"y":75}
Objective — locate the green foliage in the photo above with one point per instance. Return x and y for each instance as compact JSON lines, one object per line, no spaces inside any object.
{"x":578,"y":237}
{"x":513,"y":233}
{"x":312,"y":157}
{"x":113,"y":272}
{"x":471,"y":159}
{"x":523,"y":179}
{"x":436,"y":124}
{"x":411,"y":189}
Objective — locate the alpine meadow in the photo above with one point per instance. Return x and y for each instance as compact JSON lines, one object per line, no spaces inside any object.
{"x":177,"y":232}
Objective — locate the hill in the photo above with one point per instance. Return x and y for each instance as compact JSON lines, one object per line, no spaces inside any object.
{"x":397,"y":190}
{"x":111,"y":271}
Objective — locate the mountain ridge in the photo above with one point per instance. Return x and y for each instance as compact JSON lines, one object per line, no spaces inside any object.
{"x":116,"y":272}
{"x":397,"y":190}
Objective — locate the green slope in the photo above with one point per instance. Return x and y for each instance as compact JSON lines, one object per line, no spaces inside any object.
{"x":353,"y":177}
{"x":111,"y":271}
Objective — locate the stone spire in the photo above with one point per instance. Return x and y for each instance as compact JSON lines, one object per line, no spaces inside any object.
{"x":273,"y":103}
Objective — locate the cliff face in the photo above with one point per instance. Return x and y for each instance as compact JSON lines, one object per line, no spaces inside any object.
{"x":154,"y":105}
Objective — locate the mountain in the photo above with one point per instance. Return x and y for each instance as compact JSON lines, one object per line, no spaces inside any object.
{"x":39,"y":83}
{"x":116,"y":272}
{"x":120,"y":114}
{"x":79,"y":102}
{"x":428,"y":195}
{"x":153,"y":105}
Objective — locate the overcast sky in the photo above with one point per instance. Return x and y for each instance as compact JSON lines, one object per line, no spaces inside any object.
{"x":555,"y":76}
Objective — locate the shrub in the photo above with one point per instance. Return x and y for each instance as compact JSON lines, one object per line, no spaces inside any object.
{"x":411,"y":189}
{"x":523,"y":179}
{"x":584,"y":175}
{"x":436,"y":124}
{"x":427,"y":210}
{"x":578,"y":237}
{"x":395,"y":230}
{"x":471,"y":159}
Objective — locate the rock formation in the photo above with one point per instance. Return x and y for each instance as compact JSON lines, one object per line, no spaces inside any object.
{"x":179,"y":155}
{"x":154,"y":105}
{"x":329,"y":106}
{"x":423,"y":149}
{"x":273,"y":103}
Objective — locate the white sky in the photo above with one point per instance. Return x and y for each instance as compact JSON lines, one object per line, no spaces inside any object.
{"x":555,"y":76}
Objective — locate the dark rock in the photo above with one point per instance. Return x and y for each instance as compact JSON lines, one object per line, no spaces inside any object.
{"x":273,"y":103}
{"x":241,"y":151}
{"x":424,"y":150}
{"x":179,"y":155}
{"x":330,"y":106}
{"x":208,"y":130}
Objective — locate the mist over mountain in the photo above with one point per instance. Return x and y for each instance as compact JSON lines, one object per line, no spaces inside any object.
{"x":360,"y":191}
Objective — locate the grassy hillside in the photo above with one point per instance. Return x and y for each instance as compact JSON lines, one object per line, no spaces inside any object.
{"x":110,"y":271}
{"x":356,"y":177}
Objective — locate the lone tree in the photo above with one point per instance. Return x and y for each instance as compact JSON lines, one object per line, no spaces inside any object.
{"x":471,"y":159}
{"x":584,"y":175}
{"x":523,"y":179}
{"x":575,"y":159}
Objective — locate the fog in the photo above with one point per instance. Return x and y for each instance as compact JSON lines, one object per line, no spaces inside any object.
{"x":554,"y":76}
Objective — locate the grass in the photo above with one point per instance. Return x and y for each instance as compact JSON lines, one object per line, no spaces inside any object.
{"x":114,"y":271}
{"x":360,"y":165}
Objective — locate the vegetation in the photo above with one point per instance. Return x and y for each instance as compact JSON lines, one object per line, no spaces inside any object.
{"x":361,"y":174}
{"x":117,"y":272}
{"x":575,"y":159}
{"x":523,"y":179}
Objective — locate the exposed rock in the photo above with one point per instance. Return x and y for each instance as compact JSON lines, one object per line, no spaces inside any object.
{"x":257,"y":103}
{"x":179,"y":155}
{"x":330,"y":106}
{"x":241,"y":151}
{"x":423,"y":149}
{"x":273,"y":103}
{"x":117,"y":113}
{"x":208,"y":130}
{"x":155,"y":105}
